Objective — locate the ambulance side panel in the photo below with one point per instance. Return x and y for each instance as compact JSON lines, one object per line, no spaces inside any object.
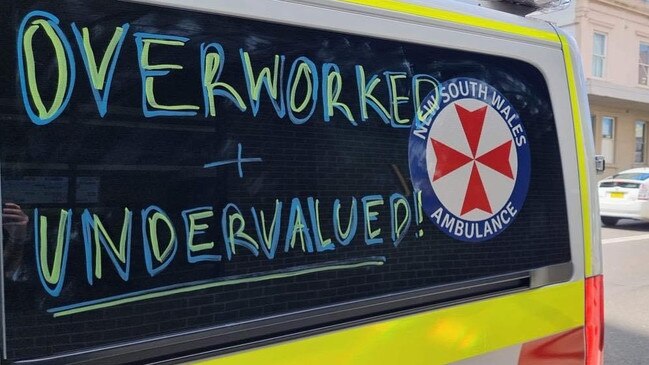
{"x":514,"y":317}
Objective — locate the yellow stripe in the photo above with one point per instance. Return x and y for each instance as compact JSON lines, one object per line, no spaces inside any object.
{"x":435,"y":337}
{"x":580,"y":145}
{"x":458,"y":18}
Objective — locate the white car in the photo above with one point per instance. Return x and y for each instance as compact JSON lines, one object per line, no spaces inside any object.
{"x":624,"y":195}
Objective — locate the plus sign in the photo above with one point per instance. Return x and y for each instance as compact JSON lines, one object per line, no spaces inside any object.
{"x":239,"y":161}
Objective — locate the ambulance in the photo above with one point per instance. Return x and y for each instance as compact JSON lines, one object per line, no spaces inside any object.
{"x":295,"y":182}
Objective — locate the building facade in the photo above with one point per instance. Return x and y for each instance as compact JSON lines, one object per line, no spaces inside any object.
{"x":613,"y":36}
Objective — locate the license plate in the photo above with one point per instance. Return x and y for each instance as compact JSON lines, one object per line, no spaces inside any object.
{"x":617,"y":195}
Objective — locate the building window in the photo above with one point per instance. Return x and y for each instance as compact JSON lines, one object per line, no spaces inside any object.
{"x":608,"y":139}
{"x":640,"y":135}
{"x":643,"y":65}
{"x":599,"y":54}
{"x":593,"y":121}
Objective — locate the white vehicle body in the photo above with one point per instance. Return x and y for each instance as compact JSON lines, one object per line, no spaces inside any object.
{"x":625,"y":195}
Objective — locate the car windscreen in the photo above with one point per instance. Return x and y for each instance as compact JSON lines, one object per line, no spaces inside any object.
{"x":632,"y":176}
{"x":165,"y":171}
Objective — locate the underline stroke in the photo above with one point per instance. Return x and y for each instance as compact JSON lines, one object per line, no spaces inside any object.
{"x":192,"y":286}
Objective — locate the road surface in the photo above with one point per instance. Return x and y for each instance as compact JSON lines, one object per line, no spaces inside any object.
{"x":626,"y":291}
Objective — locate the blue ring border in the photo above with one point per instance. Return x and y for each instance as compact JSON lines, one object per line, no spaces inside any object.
{"x":421,"y":180}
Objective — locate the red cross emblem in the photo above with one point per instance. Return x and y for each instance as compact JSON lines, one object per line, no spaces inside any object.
{"x":450,"y":159}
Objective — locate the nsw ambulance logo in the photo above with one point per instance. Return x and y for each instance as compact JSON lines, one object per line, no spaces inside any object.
{"x":470,"y":158}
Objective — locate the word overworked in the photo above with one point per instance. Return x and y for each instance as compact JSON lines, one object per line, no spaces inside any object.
{"x":321,"y":85}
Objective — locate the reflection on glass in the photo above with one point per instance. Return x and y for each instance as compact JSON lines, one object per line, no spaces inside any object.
{"x":599,"y":54}
{"x":643,"y":64}
{"x":607,"y":127}
{"x":14,"y":229}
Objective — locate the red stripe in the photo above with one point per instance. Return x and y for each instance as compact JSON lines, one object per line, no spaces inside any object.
{"x":566,"y":348}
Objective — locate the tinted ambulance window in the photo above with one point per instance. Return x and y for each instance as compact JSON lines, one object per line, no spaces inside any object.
{"x":166,"y":171}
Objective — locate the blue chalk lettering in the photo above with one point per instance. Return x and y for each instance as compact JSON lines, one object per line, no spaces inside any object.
{"x":236,"y":238}
{"x":269,"y":239}
{"x":297,"y":225}
{"x":91,"y":224}
{"x":254,"y":87}
{"x":227,"y":91}
{"x":334,"y":93}
{"x":101,"y":99}
{"x":239,"y":161}
{"x":346,"y":237}
{"x":56,"y":291}
{"x":189,"y":236}
{"x":366,"y":98}
{"x":398,"y":234}
{"x":421,"y":112}
{"x":53,"y":22}
{"x":155,"y":71}
{"x":290,"y":89}
{"x":395,"y":99}
{"x":371,"y":236}
{"x":321,"y":244}
{"x":146,"y":240}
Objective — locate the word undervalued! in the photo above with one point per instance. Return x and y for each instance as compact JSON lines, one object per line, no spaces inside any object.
{"x":295,"y":87}
{"x":259,"y":234}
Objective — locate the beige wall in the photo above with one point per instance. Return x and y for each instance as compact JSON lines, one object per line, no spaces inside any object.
{"x":617,"y":94}
{"x":624,"y":149}
{"x":625,"y":26}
